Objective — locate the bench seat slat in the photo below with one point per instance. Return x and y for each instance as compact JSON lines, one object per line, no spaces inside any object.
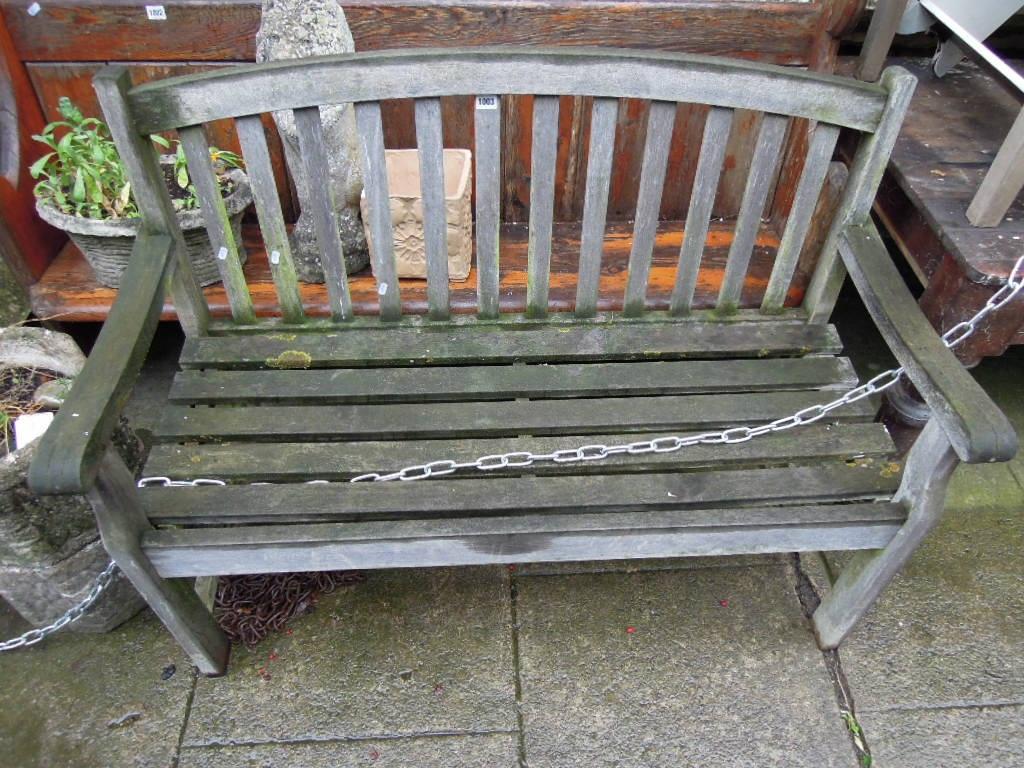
{"x":485,"y":344}
{"x":468,"y":497}
{"x":484,"y":419}
{"x":244,"y":462}
{"x":533,"y":538}
{"x":367,"y":385}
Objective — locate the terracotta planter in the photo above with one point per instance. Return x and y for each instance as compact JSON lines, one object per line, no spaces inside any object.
{"x":407,"y":212}
{"x":107,"y":243}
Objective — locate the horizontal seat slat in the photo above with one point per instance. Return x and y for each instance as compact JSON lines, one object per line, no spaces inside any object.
{"x":529,"y":538}
{"x":298,"y":462}
{"x":484,"y":419}
{"x":484,"y":344}
{"x":440,"y":498}
{"x":501,"y":382}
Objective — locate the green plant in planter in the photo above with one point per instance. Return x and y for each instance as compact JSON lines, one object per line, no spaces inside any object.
{"x":83,"y":174}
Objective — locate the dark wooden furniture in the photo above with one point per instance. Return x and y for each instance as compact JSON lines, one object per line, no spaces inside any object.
{"x":294,"y":399}
{"x":58,"y":51}
{"x":953,"y":129}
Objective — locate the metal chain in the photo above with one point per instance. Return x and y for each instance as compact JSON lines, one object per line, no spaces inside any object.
{"x":669,"y":444}
{"x":592,"y":452}
{"x":70,"y":616}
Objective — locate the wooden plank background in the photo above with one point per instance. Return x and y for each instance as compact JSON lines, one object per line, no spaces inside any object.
{"x":64,"y":45}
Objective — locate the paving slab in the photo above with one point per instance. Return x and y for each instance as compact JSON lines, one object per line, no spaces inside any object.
{"x":407,"y":652}
{"x":985,"y":737}
{"x":949,"y":630}
{"x":492,"y":750}
{"x":948,"y":636}
{"x":709,"y":667}
{"x":646,"y":564}
{"x":86,"y":701}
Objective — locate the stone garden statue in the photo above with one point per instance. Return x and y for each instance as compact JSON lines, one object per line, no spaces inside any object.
{"x":292,"y":29}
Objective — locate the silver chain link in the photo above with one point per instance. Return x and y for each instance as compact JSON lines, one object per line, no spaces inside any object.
{"x":669,"y":444}
{"x":591,"y":452}
{"x":519,"y":459}
{"x":71,"y":615}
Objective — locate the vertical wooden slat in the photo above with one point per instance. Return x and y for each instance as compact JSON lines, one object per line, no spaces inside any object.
{"x":322,"y":206}
{"x":702,"y":200}
{"x":140,"y":158}
{"x":268,"y":208}
{"x":819,"y":155}
{"x":218,"y":226}
{"x":595,"y":203}
{"x":762,"y":171}
{"x":488,"y":202}
{"x":652,"y":178}
{"x":430,"y":143}
{"x":542,"y":203}
{"x":865,"y":175}
{"x":375,"y":177}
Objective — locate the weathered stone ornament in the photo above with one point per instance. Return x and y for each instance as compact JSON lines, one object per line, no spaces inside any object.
{"x":50,"y":550}
{"x":293,"y":29}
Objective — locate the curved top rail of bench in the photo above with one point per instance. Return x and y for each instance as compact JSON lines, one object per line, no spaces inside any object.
{"x":418,"y":73}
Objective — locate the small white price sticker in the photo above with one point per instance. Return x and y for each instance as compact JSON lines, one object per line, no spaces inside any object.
{"x":156,"y":13}
{"x":486,"y":102}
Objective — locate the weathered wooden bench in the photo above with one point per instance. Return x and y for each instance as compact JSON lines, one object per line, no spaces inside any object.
{"x":268,"y":405}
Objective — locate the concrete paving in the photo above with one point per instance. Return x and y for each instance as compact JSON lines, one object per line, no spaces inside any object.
{"x":959,"y":737}
{"x":705,"y":662}
{"x":405,"y":653}
{"x":708,"y":667}
{"x":936,"y":670}
{"x":93,"y":700}
{"x":444,"y":750}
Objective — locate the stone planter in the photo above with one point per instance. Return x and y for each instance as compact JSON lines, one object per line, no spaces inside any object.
{"x":50,"y":550}
{"x":107,"y":243}
{"x":407,"y":212}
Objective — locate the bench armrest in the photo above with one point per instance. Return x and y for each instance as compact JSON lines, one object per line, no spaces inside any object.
{"x":977,"y":429}
{"x":70,"y":451}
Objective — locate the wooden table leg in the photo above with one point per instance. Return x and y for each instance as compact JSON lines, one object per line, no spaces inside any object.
{"x":1003,"y":181}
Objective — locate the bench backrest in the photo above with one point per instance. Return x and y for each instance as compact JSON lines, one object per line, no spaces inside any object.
{"x":826,"y":104}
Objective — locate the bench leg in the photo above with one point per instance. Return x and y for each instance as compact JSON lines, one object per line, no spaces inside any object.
{"x":929,"y":465}
{"x":121,"y":524}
